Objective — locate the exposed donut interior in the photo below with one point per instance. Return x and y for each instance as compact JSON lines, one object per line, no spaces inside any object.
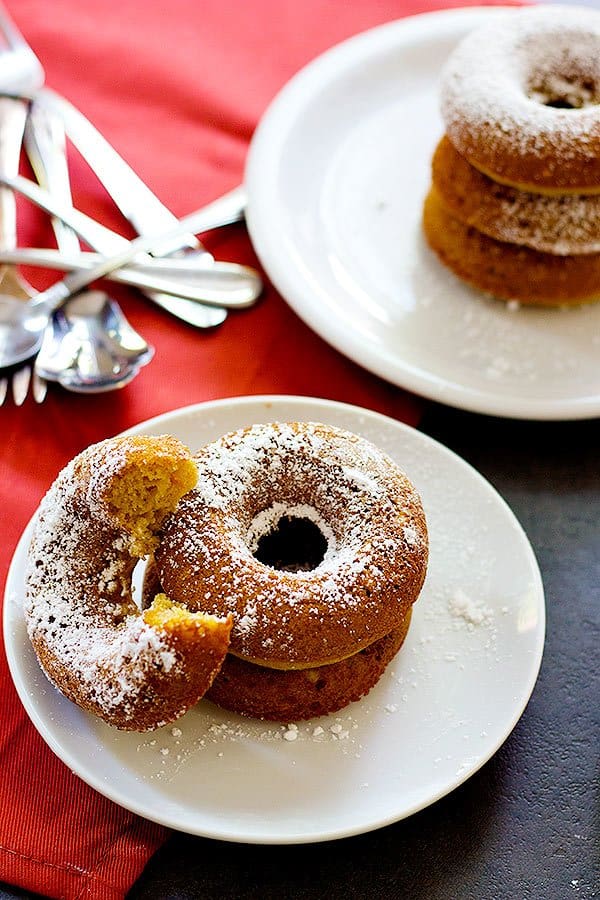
{"x":135,"y":670}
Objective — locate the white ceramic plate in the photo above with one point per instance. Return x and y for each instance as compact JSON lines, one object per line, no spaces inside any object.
{"x":442,"y":708}
{"x":336,"y":177}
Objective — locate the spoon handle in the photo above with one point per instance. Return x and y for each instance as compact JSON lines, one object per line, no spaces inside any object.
{"x":46,"y":149}
{"x":221,"y":211}
{"x":221,"y":285}
{"x":218,"y":284}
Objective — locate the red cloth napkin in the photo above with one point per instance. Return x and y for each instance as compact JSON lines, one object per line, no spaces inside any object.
{"x":178,"y":88}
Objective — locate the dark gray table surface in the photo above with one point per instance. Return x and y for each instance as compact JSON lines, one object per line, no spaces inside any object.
{"x":527,"y":825}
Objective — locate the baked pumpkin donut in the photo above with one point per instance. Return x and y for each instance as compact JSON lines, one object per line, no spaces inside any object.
{"x":565,"y":226}
{"x":521,"y":99}
{"x":310,"y":536}
{"x":290,"y":695}
{"x":508,"y":271}
{"x":134,"y":670}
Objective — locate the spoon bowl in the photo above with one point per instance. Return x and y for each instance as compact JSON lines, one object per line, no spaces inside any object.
{"x":89,"y":346}
{"x":21,"y":331}
{"x":99,"y":386}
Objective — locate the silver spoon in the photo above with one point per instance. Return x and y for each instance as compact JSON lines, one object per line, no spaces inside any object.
{"x":89,"y":346}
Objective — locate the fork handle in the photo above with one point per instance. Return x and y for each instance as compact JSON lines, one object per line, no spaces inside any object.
{"x":13,"y":114}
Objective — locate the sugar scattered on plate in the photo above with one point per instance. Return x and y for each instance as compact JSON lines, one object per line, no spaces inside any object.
{"x":464,"y":607}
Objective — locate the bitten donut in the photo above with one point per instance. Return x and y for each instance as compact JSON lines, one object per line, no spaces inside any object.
{"x":564,"y":226}
{"x":521,"y":99}
{"x":310,"y":536}
{"x":509,"y":271}
{"x":135,"y":671}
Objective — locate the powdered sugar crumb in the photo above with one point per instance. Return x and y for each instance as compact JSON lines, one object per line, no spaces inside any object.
{"x":171,"y":754}
{"x":463,"y":607}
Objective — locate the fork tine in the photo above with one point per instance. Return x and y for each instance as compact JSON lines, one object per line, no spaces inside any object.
{"x":20,"y":385}
{"x":39,"y":387}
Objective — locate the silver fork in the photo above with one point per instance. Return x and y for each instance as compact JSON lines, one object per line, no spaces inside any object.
{"x":20,"y":71}
{"x":13,"y":114}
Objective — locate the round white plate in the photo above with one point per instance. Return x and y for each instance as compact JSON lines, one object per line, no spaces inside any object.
{"x":336,"y":177}
{"x":445,"y":704}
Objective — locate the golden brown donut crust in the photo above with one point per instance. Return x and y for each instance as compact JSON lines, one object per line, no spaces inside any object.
{"x":508,"y":271}
{"x":135,"y":671}
{"x":505,"y":89}
{"x":365,"y":586}
{"x":567,"y":225}
{"x":289,"y":696}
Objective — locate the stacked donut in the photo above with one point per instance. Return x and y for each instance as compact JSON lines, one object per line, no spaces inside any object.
{"x":315,"y":543}
{"x":514,"y":205}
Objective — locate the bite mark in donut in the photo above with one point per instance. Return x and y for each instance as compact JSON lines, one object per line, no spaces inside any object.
{"x":136,"y":671}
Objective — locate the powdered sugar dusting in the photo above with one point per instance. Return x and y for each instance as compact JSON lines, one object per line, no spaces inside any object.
{"x":86,"y":623}
{"x":491,"y":345}
{"x":564,"y":225}
{"x":501,"y":76}
{"x":560,"y":225}
{"x":173,"y":749}
{"x":366,"y":509}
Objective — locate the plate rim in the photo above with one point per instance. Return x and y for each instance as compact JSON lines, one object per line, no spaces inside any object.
{"x":258,"y":181}
{"x":87,"y":774}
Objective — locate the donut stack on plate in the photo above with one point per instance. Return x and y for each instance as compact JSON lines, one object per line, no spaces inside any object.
{"x":514,"y":204}
{"x":310,"y":539}
{"x":316,"y":543}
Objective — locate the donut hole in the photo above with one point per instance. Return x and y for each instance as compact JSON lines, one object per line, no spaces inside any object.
{"x":562,"y":92}
{"x":567,"y":79}
{"x":144,"y":582}
{"x":290,"y":537}
{"x":294,"y":544}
